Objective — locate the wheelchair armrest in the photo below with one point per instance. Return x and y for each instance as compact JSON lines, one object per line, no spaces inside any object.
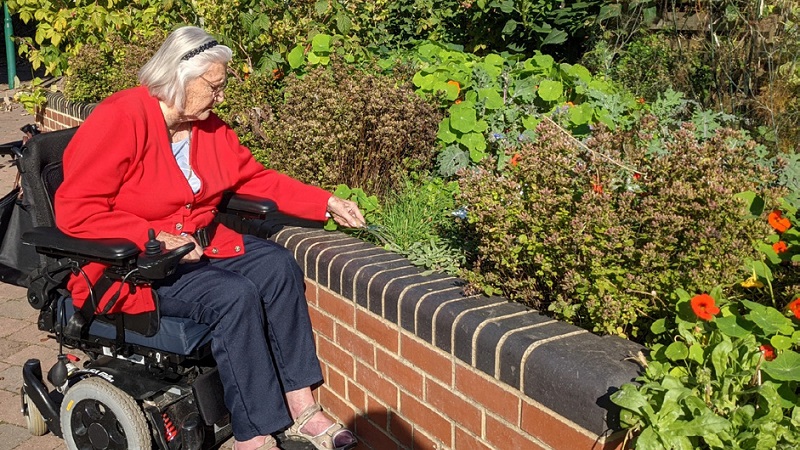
{"x":247,"y":206}
{"x":11,"y":148}
{"x":51,"y":241}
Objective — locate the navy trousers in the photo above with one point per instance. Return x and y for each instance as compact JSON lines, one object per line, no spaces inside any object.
{"x":261,"y":331}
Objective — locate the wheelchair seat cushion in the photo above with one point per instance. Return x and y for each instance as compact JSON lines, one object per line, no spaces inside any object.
{"x":175,"y":335}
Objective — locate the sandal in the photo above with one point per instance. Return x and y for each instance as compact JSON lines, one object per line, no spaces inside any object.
{"x":269,"y":443}
{"x":335,"y":437}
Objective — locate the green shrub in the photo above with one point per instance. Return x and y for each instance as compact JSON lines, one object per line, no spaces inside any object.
{"x":418,"y":222}
{"x":97,"y":72}
{"x":338,"y":126}
{"x":598,"y":232}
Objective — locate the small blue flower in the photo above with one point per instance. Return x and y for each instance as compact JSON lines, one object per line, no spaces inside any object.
{"x":461,"y":213}
{"x":498,"y":136}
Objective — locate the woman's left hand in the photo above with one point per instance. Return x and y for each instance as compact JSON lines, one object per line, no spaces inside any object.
{"x":345,"y":212}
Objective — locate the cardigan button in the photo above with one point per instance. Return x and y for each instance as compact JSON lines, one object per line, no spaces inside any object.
{"x":178,"y":226}
{"x":237,"y":249}
{"x":214,"y":250}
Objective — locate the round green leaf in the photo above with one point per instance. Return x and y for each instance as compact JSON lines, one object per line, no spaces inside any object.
{"x":463,"y":117}
{"x":581,"y":114}
{"x":677,"y":351}
{"x":781,"y":342}
{"x":321,"y":44}
{"x":492,"y":98}
{"x":296,"y":57}
{"x":659,"y":326}
{"x":550,"y":90}
{"x":445,"y":134}
{"x":494,"y":60}
{"x":785,"y":367}
{"x":530,"y":122}
{"x":474,"y":141}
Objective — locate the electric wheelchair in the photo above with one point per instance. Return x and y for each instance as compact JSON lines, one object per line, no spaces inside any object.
{"x":146,"y":380}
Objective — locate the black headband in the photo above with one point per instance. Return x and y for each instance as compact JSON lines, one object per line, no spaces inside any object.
{"x":192,"y":53}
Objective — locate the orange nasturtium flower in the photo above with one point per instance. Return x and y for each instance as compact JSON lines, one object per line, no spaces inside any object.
{"x":704,"y":307}
{"x":780,"y":223}
{"x":768,"y":351}
{"x":794,"y":307}
{"x":780,"y":247}
{"x":515,"y":159}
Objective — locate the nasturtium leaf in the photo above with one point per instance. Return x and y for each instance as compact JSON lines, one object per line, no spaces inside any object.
{"x":492,"y":98}
{"x":768,"y":319}
{"x":451,"y":91}
{"x":494,"y":59}
{"x":781,"y":342}
{"x":342,"y":191}
{"x":474,"y":141}
{"x":463,"y":117}
{"x":330,"y":225}
{"x":696,"y":353}
{"x":659,"y":326}
{"x":296,"y":57}
{"x":476,"y":155}
{"x":677,"y":351}
{"x":423,"y":82}
{"x":785,"y":366}
{"x":734,"y":326}
{"x":445,"y":134}
{"x":550,"y":90}
{"x":581,"y":114}
{"x":481,"y":126}
{"x":543,"y":61}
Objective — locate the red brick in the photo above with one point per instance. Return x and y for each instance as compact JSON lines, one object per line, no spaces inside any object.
{"x":406,"y":376}
{"x":460,"y":411}
{"x":335,"y":356}
{"x":482,"y":390}
{"x":425,"y":418}
{"x":311,"y":292}
{"x":377,"y":385}
{"x":500,"y":435}
{"x":356,"y":344}
{"x":372,"y":435}
{"x":425,"y":442}
{"x":321,"y":323}
{"x":340,"y":309}
{"x":336,"y":382}
{"x":336,"y":407}
{"x":468,"y":441}
{"x":356,"y":395}
{"x":378,"y":330}
{"x":552,"y":431}
{"x":401,"y":429}
{"x":427,"y":359}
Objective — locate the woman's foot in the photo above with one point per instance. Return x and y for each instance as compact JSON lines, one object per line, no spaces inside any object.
{"x":314,"y":426}
{"x":257,"y":443}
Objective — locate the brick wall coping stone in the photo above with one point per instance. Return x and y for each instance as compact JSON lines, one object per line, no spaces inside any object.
{"x":560,"y":366}
{"x":57,"y":102}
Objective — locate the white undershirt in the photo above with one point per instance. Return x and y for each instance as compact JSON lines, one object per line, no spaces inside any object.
{"x":180,"y":150}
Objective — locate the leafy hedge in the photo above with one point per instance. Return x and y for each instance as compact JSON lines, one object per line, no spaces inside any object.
{"x":600,"y":232}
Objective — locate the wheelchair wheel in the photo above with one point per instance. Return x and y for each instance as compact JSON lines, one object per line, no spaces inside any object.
{"x":97,"y":415}
{"x":33,"y":417}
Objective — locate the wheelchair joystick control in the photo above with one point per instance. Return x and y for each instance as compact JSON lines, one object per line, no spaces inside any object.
{"x":152,"y":247}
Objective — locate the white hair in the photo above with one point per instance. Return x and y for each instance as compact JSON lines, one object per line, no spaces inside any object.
{"x":186,"y":54}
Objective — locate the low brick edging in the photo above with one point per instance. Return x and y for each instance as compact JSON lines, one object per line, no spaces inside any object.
{"x":411,"y":362}
{"x":414,"y":363}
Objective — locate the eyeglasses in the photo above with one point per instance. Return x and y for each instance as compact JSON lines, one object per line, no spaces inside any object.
{"x":218,"y":89}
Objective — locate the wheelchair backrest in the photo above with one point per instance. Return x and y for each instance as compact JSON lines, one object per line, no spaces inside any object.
{"x":40,"y":166}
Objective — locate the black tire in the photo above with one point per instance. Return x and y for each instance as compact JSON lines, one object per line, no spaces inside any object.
{"x":33,"y":417}
{"x":97,"y":415}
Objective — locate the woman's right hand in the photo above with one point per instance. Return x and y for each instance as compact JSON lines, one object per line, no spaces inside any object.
{"x":173,"y":241}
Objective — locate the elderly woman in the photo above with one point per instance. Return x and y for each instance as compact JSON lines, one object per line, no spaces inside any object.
{"x":160,"y":159}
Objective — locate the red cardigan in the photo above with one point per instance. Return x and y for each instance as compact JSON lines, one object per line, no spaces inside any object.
{"x":121,"y":179}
